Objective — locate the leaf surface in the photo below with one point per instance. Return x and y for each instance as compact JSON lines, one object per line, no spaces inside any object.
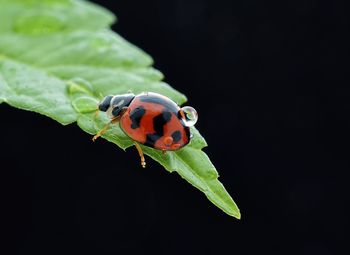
{"x":59,"y":57}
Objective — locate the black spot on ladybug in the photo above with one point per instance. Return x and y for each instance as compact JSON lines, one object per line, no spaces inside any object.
{"x":187,"y":129}
{"x":151,"y":139}
{"x":169,"y":105}
{"x":136,"y":116}
{"x":188,"y":133}
{"x":159,"y":121}
{"x":158,"y":125}
{"x":176,"y":136}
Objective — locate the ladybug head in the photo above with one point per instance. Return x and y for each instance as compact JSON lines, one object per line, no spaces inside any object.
{"x":114,"y":105}
{"x":115,"y":102}
{"x":119,"y":102}
{"x":105,"y":103}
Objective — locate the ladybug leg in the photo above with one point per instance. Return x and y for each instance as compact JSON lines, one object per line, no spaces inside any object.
{"x":103,"y":130}
{"x":164,"y":152}
{"x":139,"y":150}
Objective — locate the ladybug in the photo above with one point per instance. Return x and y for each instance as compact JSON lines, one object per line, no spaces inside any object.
{"x":150,"y":119}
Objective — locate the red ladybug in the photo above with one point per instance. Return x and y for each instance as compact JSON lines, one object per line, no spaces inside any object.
{"x":150,"y":119}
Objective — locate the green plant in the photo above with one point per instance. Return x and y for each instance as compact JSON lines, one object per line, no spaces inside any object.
{"x":57,"y":57}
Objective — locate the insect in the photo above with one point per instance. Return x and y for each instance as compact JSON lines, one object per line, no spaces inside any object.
{"x":150,"y":119}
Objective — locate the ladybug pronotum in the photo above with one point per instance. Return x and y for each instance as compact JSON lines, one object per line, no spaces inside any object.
{"x":150,"y":119}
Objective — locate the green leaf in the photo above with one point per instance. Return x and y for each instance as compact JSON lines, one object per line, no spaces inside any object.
{"x":32,"y":17}
{"x":59,"y":57}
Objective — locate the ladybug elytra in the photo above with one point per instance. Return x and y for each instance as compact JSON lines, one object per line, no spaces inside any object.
{"x":150,"y":119}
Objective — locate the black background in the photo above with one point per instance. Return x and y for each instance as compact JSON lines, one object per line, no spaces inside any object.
{"x":269,"y":81}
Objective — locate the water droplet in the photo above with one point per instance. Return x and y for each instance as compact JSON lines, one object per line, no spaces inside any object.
{"x":85,"y":104}
{"x":79,"y":85}
{"x":190,"y":116}
{"x":39,"y":24}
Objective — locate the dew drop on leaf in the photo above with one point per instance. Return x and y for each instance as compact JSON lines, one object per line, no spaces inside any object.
{"x":78,"y":85}
{"x":38,"y":24}
{"x":190,"y":116}
{"x":85,"y":104}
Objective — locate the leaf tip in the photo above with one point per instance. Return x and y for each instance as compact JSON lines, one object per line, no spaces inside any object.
{"x":237,"y":215}
{"x":234,"y":211}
